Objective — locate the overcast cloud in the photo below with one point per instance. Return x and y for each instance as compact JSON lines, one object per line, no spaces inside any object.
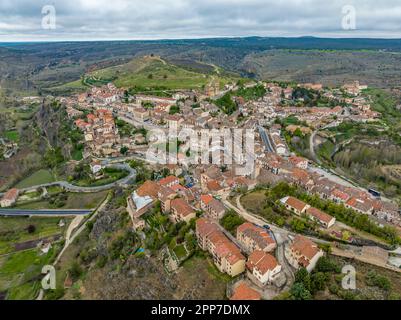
{"x":21,"y":20}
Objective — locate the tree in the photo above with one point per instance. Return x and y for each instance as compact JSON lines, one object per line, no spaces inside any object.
{"x":298,"y":225}
{"x":174,"y":109}
{"x":124,"y":150}
{"x":302,"y":276}
{"x":190,"y":241}
{"x":325,"y":264}
{"x":299,"y":292}
{"x":231,"y":221}
{"x":31,"y":228}
{"x":226,"y":104}
{"x":75,"y":271}
{"x":53,"y":157}
{"x":318,"y":281}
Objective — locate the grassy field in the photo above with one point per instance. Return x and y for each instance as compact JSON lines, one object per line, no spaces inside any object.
{"x":20,"y":273}
{"x":180,"y":252}
{"x":151,"y":72}
{"x":70,"y":87}
{"x":200,"y":270}
{"x":39,"y":177}
{"x":20,"y":270}
{"x":12,"y":135}
{"x":254,"y":202}
{"x":15,"y":230}
{"x":74,"y":201}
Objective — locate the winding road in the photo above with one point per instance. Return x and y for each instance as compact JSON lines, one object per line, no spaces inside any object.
{"x":73,"y":188}
{"x":70,"y":187}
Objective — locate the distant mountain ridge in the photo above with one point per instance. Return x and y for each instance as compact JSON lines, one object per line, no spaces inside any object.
{"x":31,"y":67}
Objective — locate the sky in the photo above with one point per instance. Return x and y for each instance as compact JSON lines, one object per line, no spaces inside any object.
{"x":32,"y":20}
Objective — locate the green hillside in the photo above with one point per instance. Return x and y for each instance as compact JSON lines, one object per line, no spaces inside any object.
{"x":153,"y":72}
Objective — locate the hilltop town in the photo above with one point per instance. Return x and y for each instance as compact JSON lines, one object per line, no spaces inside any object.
{"x":315,"y":212}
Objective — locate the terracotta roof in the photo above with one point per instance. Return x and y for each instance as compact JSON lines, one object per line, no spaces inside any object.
{"x":300,"y":174}
{"x":168,"y":180}
{"x":304,"y":247}
{"x":149,"y":188}
{"x":297,"y":160}
{"x":244,"y":292}
{"x":214,"y":186}
{"x":295,"y":203}
{"x":11,"y":194}
{"x":340,"y":194}
{"x":224,"y":248}
{"x":173,"y":117}
{"x":259,"y":235}
{"x":178,"y":187}
{"x":206,"y":198}
{"x":318,"y":214}
{"x":216,"y":206}
{"x":165,"y":192}
{"x":359,"y":204}
{"x":140,"y":110}
{"x":206,"y":227}
{"x":181,"y":207}
{"x":244,"y":181}
{"x":261,"y":261}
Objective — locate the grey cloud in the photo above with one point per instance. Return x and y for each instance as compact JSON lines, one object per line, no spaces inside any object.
{"x":155,"y":19}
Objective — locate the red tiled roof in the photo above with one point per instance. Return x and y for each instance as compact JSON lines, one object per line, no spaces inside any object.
{"x":213,"y":185}
{"x":181,"y":207}
{"x":296,"y":160}
{"x":262,"y":261}
{"x":318,"y":214}
{"x":206,"y":198}
{"x":244,"y":292}
{"x":149,"y":188}
{"x":11,"y":194}
{"x":259,"y":235}
{"x":295,"y":203}
{"x":340,"y":194}
{"x":168,"y":180}
{"x":178,"y":187}
{"x":304,"y":247}
{"x":206,"y":227}
{"x":224,"y":248}
{"x":165,"y":192}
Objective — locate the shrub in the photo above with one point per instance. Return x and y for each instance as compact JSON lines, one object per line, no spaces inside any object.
{"x":326,"y":264}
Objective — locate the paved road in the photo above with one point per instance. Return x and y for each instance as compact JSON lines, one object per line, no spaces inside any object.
{"x":233,"y":239}
{"x":265,"y":139}
{"x":55,"y":213}
{"x":280,"y":235}
{"x":70,"y":187}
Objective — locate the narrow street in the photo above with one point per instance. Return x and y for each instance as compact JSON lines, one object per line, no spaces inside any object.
{"x":280,"y":235}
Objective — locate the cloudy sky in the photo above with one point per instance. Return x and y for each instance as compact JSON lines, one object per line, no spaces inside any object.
{"x":23,"y":20}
